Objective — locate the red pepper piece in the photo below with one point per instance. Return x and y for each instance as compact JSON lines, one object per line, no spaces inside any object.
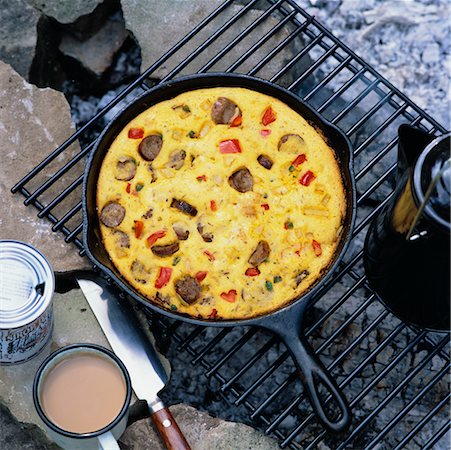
{"x":213,"y":205}
{"x":139,"y":225}
{"x":269,"y":116}
{"x":299,"y":160}
{"x":135,"y":133}
{"x":265,"y":206}
{"x":252,"y":272}
{"x":210,"y":255}
{"x":163,"y":277}
{"x":229,"y":296}
{"x":317,"y":248}
{"x":155,"y":236}
{"x":200,"y":276}
{"x":201,"y":178}
{"x":265,"y":133}
{"x":237,"y":121}
{"x":213,"y":314}
{"x":307,"y":178}
{"x":229,"y":146}
{"x":127,"y":189}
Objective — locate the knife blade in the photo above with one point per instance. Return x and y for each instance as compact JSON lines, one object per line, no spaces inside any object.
{"x":122,"y":330}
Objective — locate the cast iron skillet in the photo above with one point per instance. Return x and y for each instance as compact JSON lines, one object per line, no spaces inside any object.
{"x":287,"y":321}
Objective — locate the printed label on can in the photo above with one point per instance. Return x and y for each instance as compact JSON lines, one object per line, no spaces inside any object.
{"x":21,"y":344}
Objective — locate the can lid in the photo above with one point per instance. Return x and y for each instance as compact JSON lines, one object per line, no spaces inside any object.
{"x":27,"y":284}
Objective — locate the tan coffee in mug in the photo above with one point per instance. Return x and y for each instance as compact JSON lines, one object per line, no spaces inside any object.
{"x":83,"y":393}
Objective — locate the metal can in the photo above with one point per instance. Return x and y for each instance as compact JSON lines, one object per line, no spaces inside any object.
{"x":27,"y":284}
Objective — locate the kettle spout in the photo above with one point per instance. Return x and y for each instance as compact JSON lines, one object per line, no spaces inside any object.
{"x":412,"y":141}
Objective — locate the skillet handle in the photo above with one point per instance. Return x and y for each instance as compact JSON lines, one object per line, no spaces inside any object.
{"x":313,"y":374}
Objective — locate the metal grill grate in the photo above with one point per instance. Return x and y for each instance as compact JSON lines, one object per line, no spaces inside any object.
{"x":395,"y":377}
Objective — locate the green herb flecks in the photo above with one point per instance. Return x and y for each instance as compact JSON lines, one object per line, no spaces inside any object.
{"x":268,"y":285}
{"x":176,"y":260}
{"x":139,"y":186}
{"x":277,"y":279}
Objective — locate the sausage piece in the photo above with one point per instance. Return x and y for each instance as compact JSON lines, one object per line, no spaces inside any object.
{"x":260,"y":253}
{"x":176,"y":159}
{"x":224,"y":111}
{"x":150,"y":146}
{"x":165,"y":250}
{"x":122,"y":239}
{"x":188,"y":288}
{"x":183,"y":206}
{"x":265,"y":161}
{"x":207,"y":237}
{"x":292,"y":143}
{"x":112,"y":214}
{"x":125,"y":168}
{"x":300,"y":276}
{"x":139,"y":272}
{"x":242,"y":180}
{"x":182,"y":233}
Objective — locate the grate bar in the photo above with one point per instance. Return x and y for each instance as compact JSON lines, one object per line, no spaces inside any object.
{"x":364,"y":222}
{"x":251,"y":361}
{"x":278,"y":47}
{"x":381,"y":180}
{"x":295,"y":59}
{"x":56,"y":176}
{"x":336,"y":362}
{"x":426,"y":419}
{"x":224,"y":332}
{"x":434,"y":439}
{"x":371,"y":69}
{"x":355,"y":101}
{"x":344,"y":383}
{"x":232,"y":350}
{"x":261,"y":41}
{"x":70,"y":237}
{"x":382,"y":102}
{"x":336,"y":306}
{"x":392,"y":394}
{"x":259,"y":381}
{"x":380,"y":128}
{"x":408,"y":407}
{"x":313,"y":67}
{"x":60,"y":197}
{"x":342,"y":89}
{"x":325,"y":80}
{"x":240,"y":37}
{"x":188,"y":59}
{"x":190,"y":338}
{"x":67,"y":216}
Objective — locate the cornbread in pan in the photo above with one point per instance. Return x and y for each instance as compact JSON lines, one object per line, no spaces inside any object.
{"x":220,"y":203}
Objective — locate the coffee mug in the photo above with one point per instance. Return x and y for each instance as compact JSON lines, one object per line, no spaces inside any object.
{"x":82,"y":394}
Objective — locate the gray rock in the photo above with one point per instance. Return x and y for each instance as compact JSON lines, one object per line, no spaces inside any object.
{"x":18,"y":34}
{"x":431,"y":54}
{"x":97,"y":52}
{"x":202,"y":432}
{"x":158,"y":25}
{"x":32,"y":123}
{"x":65,"y":11}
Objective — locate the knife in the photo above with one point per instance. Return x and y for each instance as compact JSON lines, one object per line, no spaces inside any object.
{"x":122,"y":330}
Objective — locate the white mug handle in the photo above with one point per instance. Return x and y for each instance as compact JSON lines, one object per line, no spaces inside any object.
{"x":107,"y":441}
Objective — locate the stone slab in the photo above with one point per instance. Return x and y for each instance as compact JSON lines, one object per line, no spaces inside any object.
{"x":158,"y":25}
{"x":18,"y":34}
{"x":33,"y":122}
{"x":96,"y":53}
{"x":65,"y":11}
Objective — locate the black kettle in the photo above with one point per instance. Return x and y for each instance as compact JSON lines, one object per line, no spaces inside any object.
{"x":407,"y":247}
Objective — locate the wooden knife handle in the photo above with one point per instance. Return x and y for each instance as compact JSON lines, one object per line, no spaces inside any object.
{"x":169,"y":430}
